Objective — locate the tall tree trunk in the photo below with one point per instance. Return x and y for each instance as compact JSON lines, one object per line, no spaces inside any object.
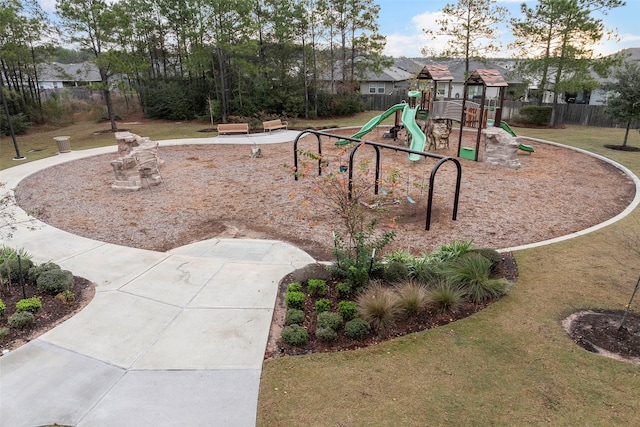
{"x":107,"y":99}
{"x":626,"y":133}
{"x":306,"y":82}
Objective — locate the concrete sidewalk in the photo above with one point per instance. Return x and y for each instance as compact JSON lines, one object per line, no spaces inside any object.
{"x":170,"y":339}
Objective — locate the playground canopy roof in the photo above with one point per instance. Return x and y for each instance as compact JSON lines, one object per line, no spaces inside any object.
{"x":488,"y":78}
{"x":435,"y":72}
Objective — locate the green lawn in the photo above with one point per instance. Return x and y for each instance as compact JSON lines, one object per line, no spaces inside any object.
{"x":511,"y":364}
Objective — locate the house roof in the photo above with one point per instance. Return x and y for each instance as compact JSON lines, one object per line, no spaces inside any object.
{"x":488,"y":78}
{"x":436,"y":72}
{"x":391,"y":74}
{"x":83,"y":72}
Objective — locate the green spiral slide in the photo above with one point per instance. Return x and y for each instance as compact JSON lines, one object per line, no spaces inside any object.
{"x":418,"y":138}
{"x":371,"y":124}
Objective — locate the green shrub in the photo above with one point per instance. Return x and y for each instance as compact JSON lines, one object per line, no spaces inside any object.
{"x":471,"y":273}
{"x":294,"y":299}
{"x":12,"y":269}
{"x":355,"y":257}
{"x":54,"y":281}
{"x":21,"y":319}
{"x":452,"y":250}
{"x":344,"y":290}
{"x":328,"y":319}
{"x":317,"y":287}
{"x":294,"y":316}
{"x":412,"y":297}
{"x":357,"y":329}
{"x":378,"y":306}
{"x":396,"y":267}
{"x":3,"y":333}
{"x":37,"y":270}
{"x":535,"y":114}
{"x":348,"y":310}
{"x":294,"y":335}
{"x":3,"y":308}
{"x":19,"y":122}
{"x":32,"y":305}
{"x":323,"y":305}
{"x":445,"y":297}
{"x":326,"y":334}
{"x":491,"y":254}
{"x":294,"y":287}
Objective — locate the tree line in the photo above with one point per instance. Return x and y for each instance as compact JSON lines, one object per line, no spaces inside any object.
{"x":288,"y":57}
{"x":293,"y":57}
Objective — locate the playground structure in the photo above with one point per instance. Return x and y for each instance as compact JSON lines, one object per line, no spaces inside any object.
{"x":432,"y":120}
{"x":359,"y":143}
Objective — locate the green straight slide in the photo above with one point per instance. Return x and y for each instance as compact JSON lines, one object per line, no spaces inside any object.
{"x":506,"y":127}
{"x":523,"y":147}
{"x":371,"y":124}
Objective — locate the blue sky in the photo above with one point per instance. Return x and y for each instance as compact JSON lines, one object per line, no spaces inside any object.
{"x":402,"y":22}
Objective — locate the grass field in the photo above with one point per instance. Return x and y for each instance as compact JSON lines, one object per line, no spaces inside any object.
{"x":511,"y":364}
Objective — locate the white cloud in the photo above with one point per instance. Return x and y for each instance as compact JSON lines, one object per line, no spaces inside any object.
{"x":624,"y":41}
{"x":413,"y":39}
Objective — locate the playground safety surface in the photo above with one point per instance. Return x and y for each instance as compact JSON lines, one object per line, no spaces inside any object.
{"x":217,"y":191}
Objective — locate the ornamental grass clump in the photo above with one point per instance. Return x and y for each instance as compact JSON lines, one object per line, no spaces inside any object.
{"x":424,"y":269}
{"x":445,"y":297}
{"x":378,"y":306}
{"x":412,"y":297}
{"x":471,"y":273}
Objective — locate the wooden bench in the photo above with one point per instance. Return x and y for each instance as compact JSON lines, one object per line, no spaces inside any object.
{"x":274,"y":124}
{"x":224,"y":128}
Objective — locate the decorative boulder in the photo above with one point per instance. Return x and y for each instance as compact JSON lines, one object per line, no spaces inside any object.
{"x":500,"y":148}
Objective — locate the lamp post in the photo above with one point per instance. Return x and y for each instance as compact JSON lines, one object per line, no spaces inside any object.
{"x":6,"y":110}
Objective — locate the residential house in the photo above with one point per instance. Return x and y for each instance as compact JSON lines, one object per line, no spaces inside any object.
{"x":599,"y":96}
{"x":58,"y":76}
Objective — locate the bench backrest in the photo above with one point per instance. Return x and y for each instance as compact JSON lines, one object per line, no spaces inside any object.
{"x":272,"y":122}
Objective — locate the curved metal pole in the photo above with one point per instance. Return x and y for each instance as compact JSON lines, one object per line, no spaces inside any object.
{"x":351,"y":156}
{"x":377,"y":146}
{"x":295,"y":152}
{"x":432,"y":179}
